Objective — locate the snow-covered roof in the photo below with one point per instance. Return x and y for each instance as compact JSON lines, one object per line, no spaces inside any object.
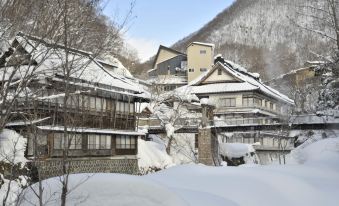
{"x":51,"y":58}
{"x":222,"y":87}
{"x":249,"y":111}
{"x":247,"y":82}
{"x":168,"y":80}
{"x":314,"y":119}
{"x":24,"y":122}
{"x":292,"y":72}
{"x":118,"y":67}
{"x":91,"y":130}
{"x":202,"y":43}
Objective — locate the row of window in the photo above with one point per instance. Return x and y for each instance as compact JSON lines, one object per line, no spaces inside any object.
{"x":249,"y":102}
{"x":241,"y":121}
{"x":94,"y":141}
{"x":201,"y":70}
{"x":95,"y":103}
{"x":125,"y":142}
{"x":264,"y":141}
{"x":169,"y":87}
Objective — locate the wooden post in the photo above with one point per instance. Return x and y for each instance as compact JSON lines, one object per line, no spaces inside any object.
{"x":127,"y":115}
{"x":115,"y":110}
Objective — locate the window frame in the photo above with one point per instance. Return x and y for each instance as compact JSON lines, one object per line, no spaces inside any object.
{"x":229,"y":100}
{"x":75,"y":144}
{"x":99,"y":142}
{"x":203,"y":51}
{"x":125,"y":142}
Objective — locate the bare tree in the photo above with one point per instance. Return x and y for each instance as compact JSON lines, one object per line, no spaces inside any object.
{"x":172,"y":110}
{"x":62,"y":26}
{"x":324,"y":15}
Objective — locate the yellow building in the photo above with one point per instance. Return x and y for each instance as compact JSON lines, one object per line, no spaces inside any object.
{"x":199,"y":59}
{"x":173,"y":69}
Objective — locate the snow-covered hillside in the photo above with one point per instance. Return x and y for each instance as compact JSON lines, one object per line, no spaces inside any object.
{"x":313,"y":183}
{"x":262,"y":35}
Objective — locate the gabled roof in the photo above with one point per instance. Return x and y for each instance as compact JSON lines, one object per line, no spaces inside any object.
{"x":247,"y":82}
{"x":161,"y":47}
{"x":202,"y":44}
{"x":50,"y":58}
{"x":199,"y":80}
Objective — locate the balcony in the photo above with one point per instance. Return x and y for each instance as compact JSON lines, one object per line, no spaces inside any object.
{"x":245,"y":121}
{"x":247,"y":109}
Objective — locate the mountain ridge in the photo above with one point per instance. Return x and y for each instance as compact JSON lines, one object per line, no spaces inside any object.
{"x":261,"y":35}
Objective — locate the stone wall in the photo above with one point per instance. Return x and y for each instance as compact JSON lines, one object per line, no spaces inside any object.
{"x":208,"y":147}
{"x":53,"y":167}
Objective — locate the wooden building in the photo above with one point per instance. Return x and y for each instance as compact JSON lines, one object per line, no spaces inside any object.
{"x":78,"y":106}
{"x":241,"y":99}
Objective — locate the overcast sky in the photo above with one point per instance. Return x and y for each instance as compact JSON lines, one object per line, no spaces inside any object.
{"x":163,"y":21}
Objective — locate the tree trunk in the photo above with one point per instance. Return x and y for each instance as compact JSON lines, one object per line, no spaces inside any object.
{"x":169,"y":145}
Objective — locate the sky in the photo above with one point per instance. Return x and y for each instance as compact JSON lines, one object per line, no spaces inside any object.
{"x":155,"y":22}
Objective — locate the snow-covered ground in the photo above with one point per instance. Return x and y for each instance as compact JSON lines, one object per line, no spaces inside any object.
{"x":311,"y":180}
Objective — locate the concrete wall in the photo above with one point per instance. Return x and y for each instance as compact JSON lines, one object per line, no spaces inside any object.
{"x":197,"y":60}
{"x":164,"y":55}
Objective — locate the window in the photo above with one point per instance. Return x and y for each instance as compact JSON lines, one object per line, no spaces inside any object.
{"x":203,"y":69}
{"x":98,"y":103}
{"x":120,"y":106}
{"x":85,"y":102}
{"x":219,"y":71}
{"x":248,"y":102}
{"x":257,"y":102}
{"x":191,"y":70}
{"x":126,"y":107}
{"x":271,"y":105}
{"x":202,"y":51}
{"x":92,"y":102}
{"x":99,"y":141}
{"x":58,"y":142}
{"x":125,"y":142}
{"x":228,"y":102}
{"x":131,"y":107}
{"x":278,"y":108}
{"x":74,"y":141}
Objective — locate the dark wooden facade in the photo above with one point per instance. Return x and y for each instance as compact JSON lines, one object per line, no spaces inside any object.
{"x":100,"y":119}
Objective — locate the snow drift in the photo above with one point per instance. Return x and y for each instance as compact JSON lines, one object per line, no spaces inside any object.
{"x":313,"y":183}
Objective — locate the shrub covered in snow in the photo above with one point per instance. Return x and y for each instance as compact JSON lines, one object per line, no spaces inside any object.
{"x":237,"y":153}
{"x":12,"y":147}
{"x":152,"y":157}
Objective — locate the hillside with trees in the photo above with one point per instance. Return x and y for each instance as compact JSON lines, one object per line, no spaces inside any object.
{"x":266,"y":36}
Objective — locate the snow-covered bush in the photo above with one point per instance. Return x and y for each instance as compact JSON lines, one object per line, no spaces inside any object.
{"x":12,"y":166}
{"x":238,"y":153}
{"x":12,"y":147}
{"x":152,"y":157}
